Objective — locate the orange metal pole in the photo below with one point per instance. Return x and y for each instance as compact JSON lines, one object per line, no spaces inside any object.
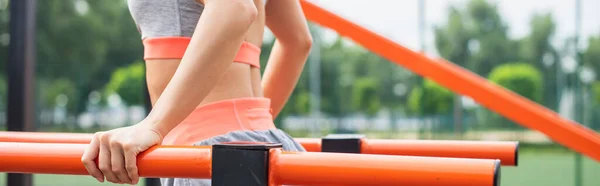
{"x":45,"y":137}
{"x":361,"y":169}
{"x":286,"y":168}
{"x":509,"y":104}
{"x":49,"y":158}
{"x":310,"y":144}
{"x":507,"y":152}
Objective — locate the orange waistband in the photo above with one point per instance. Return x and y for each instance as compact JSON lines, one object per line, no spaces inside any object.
{"x":220,"y":118}
{"x":174,"y":48}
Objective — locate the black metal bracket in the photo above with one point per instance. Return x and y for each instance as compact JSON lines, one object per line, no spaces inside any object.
{"x":342,"y":143}
{"x":235,"y":164}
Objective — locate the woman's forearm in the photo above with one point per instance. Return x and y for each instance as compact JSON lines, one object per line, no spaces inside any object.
{"x":288,"y":56}
{"x":215,"y":42}
{"x":281,"y":75}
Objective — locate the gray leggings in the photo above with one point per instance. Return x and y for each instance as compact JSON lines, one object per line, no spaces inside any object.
{"x":272,"y":136}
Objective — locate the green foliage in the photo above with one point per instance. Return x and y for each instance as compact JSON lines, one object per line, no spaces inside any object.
{"x":84,"y":47}
{"x":521,"y":78}
{"x":475,"y":37}
{"x":365,"y":97}
{"x":430,"y":99}
{"x":596,"y":91}
{"x":128,"y":82}
{"x":538,"y":43}
{"x":491,"y":34}
{"x":3,"y":34}
{"x":3,"y":93}
{"x":452,"y":40}
{"x":591,"y":55}
{"x":302,"y":103}
{"x":538,"y":50}
{"x":51,"y":89}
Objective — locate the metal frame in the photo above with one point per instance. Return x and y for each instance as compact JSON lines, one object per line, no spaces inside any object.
{"x":20,"y":72}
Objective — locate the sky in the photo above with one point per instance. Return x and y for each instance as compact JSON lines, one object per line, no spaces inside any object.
{"x":398,"y":19}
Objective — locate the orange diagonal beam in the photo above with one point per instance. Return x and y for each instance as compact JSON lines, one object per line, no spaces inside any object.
{"x":459,"y":80}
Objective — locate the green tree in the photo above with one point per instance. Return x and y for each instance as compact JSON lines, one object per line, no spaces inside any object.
{"x":337,"y":74}
{"x":452,"y":40}
{"x":596,"y":91}
{"x":591,"y":55}
{"x":474,"y":37}
{"x":521,"y":78}
{"x":365,"y":95}
{"x":436,"y":99}
{"x":84,"y":41}
{"x":51,"y":89}
{"x":491,"y":45}
{"x":128,"y":82}
{"x":537,"y":49}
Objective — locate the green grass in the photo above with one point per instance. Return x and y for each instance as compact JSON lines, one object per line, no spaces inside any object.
{"x":536,"y":168}
{"x":64,"y":180}
{"x":551,"y":169}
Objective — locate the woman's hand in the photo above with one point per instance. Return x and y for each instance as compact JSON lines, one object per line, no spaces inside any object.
{"x":117,"y":150}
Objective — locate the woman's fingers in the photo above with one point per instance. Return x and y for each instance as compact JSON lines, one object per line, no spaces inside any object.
{"x":118,"y":162}
{"x":89,"y":159}
{"x":112,"y":155}
{"x":131,"y":163}
{"x":104,"y":160}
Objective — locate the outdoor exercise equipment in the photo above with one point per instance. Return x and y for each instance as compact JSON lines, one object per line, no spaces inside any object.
{"x":505,"y":102}
{"x":262,"y":164}
{"x":507,"y":152}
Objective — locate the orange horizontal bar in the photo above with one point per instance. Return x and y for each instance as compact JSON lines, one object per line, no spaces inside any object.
{"x":366,"y":169}
{"x":507,"y":152}
{"x":504,"y":102}
{"x":45,"y":137}
{"x":310,"y":144}
{"x":53,"y":158}
{"x":287,"y":168}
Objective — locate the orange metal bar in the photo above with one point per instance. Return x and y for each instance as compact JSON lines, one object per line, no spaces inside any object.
{"x":45,"y":137}
{"x":310,"y":144}
{"x":361,"y":169}
{"x":286,"y":168}
{"x":507,"y":152}
{"x":51,"y":158}
{"x":462,"y":81}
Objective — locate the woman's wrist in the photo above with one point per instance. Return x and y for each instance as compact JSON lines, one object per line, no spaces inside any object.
{"x":156,"y":125}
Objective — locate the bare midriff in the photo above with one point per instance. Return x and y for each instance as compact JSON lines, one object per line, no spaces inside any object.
{"x":241,"y":80}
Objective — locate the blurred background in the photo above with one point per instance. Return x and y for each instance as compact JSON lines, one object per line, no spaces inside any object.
{"x":90,"y":75}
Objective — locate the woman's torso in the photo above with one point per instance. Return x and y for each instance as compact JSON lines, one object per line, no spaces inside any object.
{"x":240,"y":81}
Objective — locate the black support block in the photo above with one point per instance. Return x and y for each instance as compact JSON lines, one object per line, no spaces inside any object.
{"x":341,"y":143}
{"x":235,"y":164}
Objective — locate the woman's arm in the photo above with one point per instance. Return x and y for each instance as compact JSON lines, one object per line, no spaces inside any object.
{"x":215,"y":42}
{"x":287,"y":22}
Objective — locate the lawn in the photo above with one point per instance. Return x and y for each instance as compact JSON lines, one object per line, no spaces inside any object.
{"x":535,"y":169}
